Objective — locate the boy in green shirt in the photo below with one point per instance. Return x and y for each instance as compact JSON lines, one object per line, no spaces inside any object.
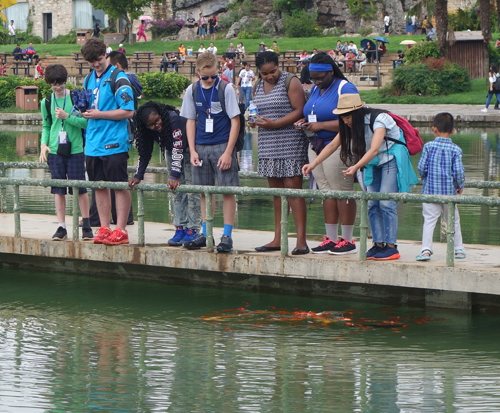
{"x":62,"y":148}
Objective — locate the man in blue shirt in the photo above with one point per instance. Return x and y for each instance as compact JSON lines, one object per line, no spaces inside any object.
{"x":212,"y":133}
{"x":107,"y":143}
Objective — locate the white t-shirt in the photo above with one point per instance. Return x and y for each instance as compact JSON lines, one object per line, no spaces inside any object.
{"x":212,"y":50}
{"x":12,"y":29}
{"x":108,"y":50}
{"x":200,"y":50}
{"x":387,"y":19}
{"x":246,"y":78}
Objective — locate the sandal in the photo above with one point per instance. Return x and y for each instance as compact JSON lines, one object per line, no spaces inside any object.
{"x":460,"y":254}
{"x":425,"y":255}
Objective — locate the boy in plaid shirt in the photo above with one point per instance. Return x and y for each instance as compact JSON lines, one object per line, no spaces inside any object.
{"x":442,"y":171}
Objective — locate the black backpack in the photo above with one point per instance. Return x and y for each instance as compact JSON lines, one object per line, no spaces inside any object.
{"x":222,"y":99}
{"x":496,"y":83}
{"x":112,"y":83}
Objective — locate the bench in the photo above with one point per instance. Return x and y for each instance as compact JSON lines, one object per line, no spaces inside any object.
{"x":141,"y":64}
{"x":80,"y":64}
{"x":20,"y":65}
{"x":76,"y":55}
{"x":140,"y":55}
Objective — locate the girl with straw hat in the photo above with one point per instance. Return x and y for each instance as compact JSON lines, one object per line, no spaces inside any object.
{"x":368,"y":139}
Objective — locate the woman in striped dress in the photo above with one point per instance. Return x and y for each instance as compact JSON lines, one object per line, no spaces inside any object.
{"x":282,"y":150}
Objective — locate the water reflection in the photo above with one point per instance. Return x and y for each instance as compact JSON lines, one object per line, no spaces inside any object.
{"x":481,"y":160}
{"x":81,"y":344}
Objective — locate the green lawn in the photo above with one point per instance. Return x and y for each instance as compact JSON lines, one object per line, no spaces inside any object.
{"x":476,"y":96}
{"x":320,"y":43}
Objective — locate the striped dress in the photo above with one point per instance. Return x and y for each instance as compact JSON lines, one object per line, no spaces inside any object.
{"x":282,"y":152}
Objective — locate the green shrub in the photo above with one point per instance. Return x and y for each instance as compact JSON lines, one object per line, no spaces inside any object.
{"x":494,"y":55}
{"x":9,"y":83}
{"x":360,"y":9}
{"x":162,"y":85}
{"x":421,"y":51}
{"x":253,"y":30}
{"x":69,"y":38}
{"x":301,"y":24}
{"x":430,"y":77}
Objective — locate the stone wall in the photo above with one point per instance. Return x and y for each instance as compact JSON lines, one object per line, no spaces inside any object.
{"x":62,"y":16}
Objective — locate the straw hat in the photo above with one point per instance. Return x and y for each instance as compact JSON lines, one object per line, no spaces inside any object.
{"x":347,"y":103}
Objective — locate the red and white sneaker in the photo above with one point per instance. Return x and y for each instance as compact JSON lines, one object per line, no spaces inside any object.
{"x":343,"y":247}
{"x":101,"y":234}
{"x":116,"y":238}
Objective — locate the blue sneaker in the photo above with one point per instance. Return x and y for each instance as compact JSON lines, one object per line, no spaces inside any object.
{"x":176,"y":239}
{"x":189,"y":236}
{"x":387,"y":253}
{"x":373,"y":250}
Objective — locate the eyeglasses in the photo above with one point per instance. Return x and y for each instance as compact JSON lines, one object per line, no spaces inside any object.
{"x":155,"y":124}
{"x":319,"y":79}
{"x":56,"y":85}
{"x":209,"y":77}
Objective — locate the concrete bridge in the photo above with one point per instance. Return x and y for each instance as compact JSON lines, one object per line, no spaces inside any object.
{"x":472,"y":284}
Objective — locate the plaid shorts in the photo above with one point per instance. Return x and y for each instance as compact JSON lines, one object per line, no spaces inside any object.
{"x":206,"y":174}
{"x":62,"y":167}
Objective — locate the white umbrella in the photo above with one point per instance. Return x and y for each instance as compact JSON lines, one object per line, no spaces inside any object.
{"x":408,"y":42}
{"x":145,"y":18}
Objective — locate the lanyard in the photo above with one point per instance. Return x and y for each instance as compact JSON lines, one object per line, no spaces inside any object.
{"x":320,"y":96}
{"x":209,"y":104}
{"x":98,"y":82}
{"x":64,"y":105}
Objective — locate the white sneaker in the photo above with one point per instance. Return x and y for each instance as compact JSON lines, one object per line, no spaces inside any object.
{"x":484,"y":110}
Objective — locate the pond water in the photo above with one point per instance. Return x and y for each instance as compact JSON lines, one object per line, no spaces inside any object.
{"x":81,"y":344}
{"x":481,"y":148}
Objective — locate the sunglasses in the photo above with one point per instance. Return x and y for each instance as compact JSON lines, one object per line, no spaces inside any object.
{"x":208,"y":77}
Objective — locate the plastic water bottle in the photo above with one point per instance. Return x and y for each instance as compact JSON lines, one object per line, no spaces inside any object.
{"x":253,"y":111}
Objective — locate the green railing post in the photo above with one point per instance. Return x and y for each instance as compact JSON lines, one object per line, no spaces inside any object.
{"x":363,"y":229}
{"x":140,"y":216}
{"x":450,"y":240}
{"x":284,"y":226}
{"x":17,"y":212}
{"x":171,"y":212}
{"x":3,"y":193}
{"x":209,"y":219}
{"x":76,"y":212}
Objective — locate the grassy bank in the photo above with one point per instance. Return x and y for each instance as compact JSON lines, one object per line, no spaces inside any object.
{"x":251,"y":45}
{"x":476,"y":96}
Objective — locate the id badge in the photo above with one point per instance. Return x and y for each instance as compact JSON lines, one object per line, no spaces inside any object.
{"x":312,"y":118}
{"x":63,"y":137}
{"x":209,"y":125}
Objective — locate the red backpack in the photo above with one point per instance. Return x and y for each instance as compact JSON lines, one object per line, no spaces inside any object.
{"x":414,"y":142}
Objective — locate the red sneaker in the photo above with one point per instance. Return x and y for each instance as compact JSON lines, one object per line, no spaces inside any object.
{"x":101,"y":233}
{"x":117,"y":237}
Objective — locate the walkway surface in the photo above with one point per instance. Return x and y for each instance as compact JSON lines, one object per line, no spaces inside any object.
{"x":416,"y":113}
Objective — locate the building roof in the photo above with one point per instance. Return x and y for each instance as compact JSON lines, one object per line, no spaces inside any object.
{"x":467,"y":36}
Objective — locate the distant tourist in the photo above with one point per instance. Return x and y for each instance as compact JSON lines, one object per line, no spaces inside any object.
{"x":121,"y":49}
{"x":275,"y":47}
{"x":492,"y":88}
{"x":38,"y":69}
{"x":202,"y":27}
{"x":245,"y":82}
{"x":62,"y":148}
{"x":97,"y":30}
{"x":212,"y":26}
{"x":190,"y":24}
{"x":240,"y":51}
{"x":108,"y":49}
{"x":202,"y":49}
{"x":140,"y":32}
{"x":12,"y":32}
{"x":442,"y":172}
{"x":212,"y":49}
{"x":262,"y":47}
{"x":18,"y":53}
{"x":387,"y":23}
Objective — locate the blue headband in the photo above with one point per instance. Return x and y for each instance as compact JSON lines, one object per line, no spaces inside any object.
{"x":320,"y":67}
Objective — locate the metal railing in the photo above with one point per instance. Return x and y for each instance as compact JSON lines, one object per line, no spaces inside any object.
{"x":361,"y":197}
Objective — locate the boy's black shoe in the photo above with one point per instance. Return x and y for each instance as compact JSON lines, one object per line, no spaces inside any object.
{"x":61,"y":234}
{"x":87,"y":234}
{"x":199,"y":242}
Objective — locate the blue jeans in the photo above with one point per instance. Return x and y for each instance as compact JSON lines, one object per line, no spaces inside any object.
{"x":247,"y":92}
{"x":187,"y":207}
{"x":490,"y":95}
{"x":383,"y":215}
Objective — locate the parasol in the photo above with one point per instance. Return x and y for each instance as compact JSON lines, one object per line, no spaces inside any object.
{"x":408,"y":42}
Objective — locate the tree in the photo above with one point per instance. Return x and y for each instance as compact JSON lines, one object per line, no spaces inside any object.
{"x":485,"y":16}
{"x":441,"y":14}
{"x":128,"y":10}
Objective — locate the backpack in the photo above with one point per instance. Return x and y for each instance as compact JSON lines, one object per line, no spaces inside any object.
{"x":112,"y":83}
{"x":240,"y":141}
{"x":414,"y":142}
{"x":496,"y":83}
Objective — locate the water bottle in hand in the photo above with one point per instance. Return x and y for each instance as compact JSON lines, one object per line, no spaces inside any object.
{"x":253,"y":111}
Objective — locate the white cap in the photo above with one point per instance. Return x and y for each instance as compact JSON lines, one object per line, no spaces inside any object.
{"x":121,"y":45}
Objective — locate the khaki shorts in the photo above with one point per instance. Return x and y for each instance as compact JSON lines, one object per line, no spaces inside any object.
{"x":328,"y":174}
